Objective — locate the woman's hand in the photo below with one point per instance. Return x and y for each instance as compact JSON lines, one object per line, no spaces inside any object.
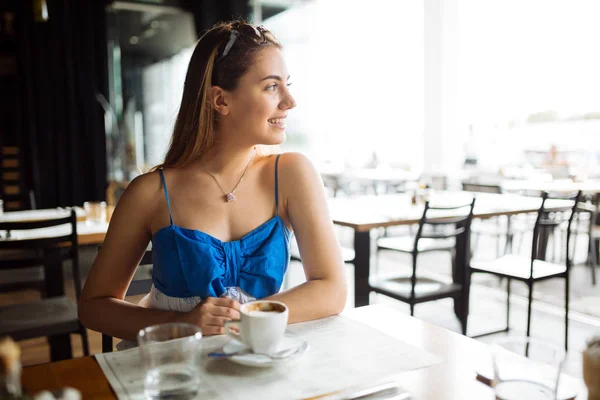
{"x":211,"y":313}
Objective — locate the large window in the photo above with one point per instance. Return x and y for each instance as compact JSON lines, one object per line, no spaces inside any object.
{"x":529,"y":79}
{"x":149,"y":47}
{"x":357,"y":72}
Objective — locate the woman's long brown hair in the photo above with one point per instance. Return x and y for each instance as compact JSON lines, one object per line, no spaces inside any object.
{"x":193,"y":134}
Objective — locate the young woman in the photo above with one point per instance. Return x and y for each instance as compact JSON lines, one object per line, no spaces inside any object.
{"x":219,"y":211}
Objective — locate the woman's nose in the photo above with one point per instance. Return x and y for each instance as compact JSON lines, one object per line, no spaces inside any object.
{"x":288,"y":102}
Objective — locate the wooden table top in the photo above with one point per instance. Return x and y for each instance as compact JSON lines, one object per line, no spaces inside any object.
{"x":87,"y":233}
{"x":364,"y":213}
{"x":453,"y":379}
{"x":41,"y":214}
{"x":557,"y":185}
{"x":82,"y":373}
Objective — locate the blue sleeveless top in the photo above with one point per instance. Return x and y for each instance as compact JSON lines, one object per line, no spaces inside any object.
{"x":189,"y":262}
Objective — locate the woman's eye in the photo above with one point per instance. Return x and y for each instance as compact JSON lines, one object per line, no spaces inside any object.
{"x":272,"y":87}
{"x":288,"y":84}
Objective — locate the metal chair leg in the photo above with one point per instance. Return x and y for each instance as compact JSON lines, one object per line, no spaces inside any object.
{"x":413,"y":283}
{"x":107,"y":343}
{"x":464,"y":317}
{"x":508,"y":246}
{"x":530,"y":285}
{"x":567,"y":312}
{"x":508,"y":304}
{"x":592,"y":259}
{"x":84,"y":341}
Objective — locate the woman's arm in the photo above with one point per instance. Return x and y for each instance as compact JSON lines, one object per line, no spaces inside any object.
{"x":101,"y":305}
{"x":324,"y":293}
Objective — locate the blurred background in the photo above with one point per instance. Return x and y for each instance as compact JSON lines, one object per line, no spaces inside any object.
{"x":449,"y":90}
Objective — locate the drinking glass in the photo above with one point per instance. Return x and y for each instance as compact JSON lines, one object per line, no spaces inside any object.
{"x":171,"y":358}
{"x":526,"y":368}
{"x":95,"y":211}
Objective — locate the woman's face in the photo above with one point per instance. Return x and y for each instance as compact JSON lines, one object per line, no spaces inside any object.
{"x":260,"y":103}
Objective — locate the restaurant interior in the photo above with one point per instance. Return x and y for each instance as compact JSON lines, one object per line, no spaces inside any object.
{"x":458,"y":143}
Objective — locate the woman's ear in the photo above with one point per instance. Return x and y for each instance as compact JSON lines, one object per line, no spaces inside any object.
{"x":218,"y":100}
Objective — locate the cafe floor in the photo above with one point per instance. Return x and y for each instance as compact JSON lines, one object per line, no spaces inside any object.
{"x":487,"y":312}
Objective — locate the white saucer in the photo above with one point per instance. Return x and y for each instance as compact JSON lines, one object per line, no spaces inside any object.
{"x":261,"y":360}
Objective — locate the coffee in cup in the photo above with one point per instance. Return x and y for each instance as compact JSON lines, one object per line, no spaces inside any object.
{"x":261,"y":326}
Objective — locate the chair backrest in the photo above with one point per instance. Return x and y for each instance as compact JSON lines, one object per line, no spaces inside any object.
{"x":459,"y":218}
{"x":479,"y":187}
{"x":136,"y":287}
{"x":594,"y":203}
{"x":45,"y":242}
{"x":587,"y":213}
{"x":551,"y":215}
{"x":12,"y":185}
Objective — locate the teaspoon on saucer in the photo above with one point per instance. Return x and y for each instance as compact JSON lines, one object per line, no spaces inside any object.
{"x":278,"y":355}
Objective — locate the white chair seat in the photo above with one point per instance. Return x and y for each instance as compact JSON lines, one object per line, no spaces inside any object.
{"x":424,"y":287}
{"x":406,"y":244}
{"x":519,"y":267}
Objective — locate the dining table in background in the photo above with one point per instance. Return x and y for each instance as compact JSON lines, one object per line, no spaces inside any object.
{"x":389,"y":178}
{"x":557,"y":185}
{"x":365,"y":213}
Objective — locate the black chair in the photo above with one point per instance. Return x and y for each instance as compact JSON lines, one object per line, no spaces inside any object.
{"x":52,"y":315}
{"x":136,"y":287}
{"x":23,"y":278}
{"x":433,"y":234}
{"x":534,"y":269}
{"x":13,"y":190}
{"x":584,"y":224}
{"x":496,"y":227}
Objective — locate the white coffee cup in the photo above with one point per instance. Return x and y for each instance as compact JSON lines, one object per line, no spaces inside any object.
{"x":261,"y":326}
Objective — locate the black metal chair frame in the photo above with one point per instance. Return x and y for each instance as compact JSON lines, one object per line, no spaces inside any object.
{"x":47,"y":251}
{"x":462,"y":226}
{"x":543,"y":227}
{"x":508,"y":233}
{"x":136,"y":287}
{"x":592,"y":211}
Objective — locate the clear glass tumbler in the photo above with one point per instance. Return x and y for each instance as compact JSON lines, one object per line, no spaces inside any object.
{"x":95,"y":212}
{"x":526,"y":368}
{"x":171,"y":358}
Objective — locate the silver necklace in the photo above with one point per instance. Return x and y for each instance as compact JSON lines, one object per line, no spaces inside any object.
{"x":230,"y":196}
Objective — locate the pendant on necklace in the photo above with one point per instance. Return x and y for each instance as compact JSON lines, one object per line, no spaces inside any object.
{"x":230,"y":197}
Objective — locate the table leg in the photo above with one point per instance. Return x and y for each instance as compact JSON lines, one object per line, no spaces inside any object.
{"x":362,"y":268}
{"x":460,"y":274}
{"x":60,"y":345}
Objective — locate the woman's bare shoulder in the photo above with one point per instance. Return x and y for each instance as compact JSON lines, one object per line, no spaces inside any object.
{"x":143,"y":190}
{"x":298,"y":177}
{"x":147,"y":183}
{"x":295,"y":165}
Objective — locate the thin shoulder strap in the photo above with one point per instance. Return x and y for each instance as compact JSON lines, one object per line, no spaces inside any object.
{"x":162,"y":178}
{"x":277,"y":185}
